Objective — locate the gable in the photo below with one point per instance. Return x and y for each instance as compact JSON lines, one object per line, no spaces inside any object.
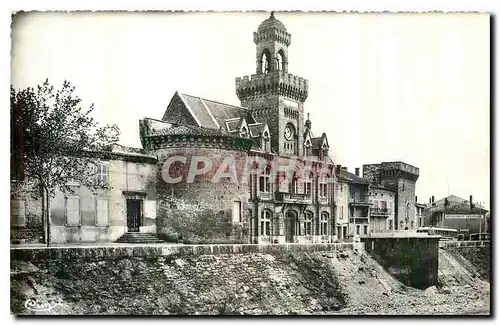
{"x":177,"y":112}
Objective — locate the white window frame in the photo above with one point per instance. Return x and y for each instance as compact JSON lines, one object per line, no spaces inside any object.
{"x":265,"y":178}
{"x":236,"y":211}
{"x":265,"y":222}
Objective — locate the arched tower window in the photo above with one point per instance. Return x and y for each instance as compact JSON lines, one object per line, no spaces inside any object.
{"x":280,"y":61}
{"x":266,"y":61}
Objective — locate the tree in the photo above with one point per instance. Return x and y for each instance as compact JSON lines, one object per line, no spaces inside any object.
{"x":54,"y":140}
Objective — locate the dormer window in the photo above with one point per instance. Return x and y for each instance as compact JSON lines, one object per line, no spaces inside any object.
{"x":244,"y":132}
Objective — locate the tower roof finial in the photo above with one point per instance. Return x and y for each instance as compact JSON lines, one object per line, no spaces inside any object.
{"x":272,"y":14}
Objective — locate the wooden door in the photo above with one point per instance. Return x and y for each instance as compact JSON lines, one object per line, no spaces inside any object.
{"x":133,"y":215}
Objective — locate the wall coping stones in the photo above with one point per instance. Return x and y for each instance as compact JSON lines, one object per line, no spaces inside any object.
{"x":464,"y":243}
{"x":122,"y":251}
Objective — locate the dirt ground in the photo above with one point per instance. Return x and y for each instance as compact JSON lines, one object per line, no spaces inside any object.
{"x":318,"y":283}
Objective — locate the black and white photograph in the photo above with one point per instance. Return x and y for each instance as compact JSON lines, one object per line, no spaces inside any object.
{"x":250,"y":163}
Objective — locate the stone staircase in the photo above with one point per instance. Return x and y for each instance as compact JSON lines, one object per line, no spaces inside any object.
{"x":139,"y":237}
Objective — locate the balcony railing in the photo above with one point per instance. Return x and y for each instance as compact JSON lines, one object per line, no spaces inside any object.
{"x":363,"y":200}
{"x":322,"y":200}
{"x":294,"y":198}
{"x":359,"y":220}
{"x":266,"y":196}
{"x":380,"y":211}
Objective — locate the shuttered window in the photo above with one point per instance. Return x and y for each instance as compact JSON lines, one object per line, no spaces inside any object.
{"x":73,"y":211}
{"x":102,"y":208}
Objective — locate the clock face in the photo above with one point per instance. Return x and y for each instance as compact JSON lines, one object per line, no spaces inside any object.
{"x":288,"y":133}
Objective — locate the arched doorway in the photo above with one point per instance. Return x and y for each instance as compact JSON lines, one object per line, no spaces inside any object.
{"x":290,"y":224}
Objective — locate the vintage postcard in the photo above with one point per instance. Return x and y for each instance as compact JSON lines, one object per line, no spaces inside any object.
{"x":250,"y":163}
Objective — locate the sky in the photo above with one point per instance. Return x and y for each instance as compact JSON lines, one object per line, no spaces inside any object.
{"x":383,"y":87}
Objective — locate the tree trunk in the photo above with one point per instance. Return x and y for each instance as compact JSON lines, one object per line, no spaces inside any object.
{"x":48,"y":218}
{"x":44,"y":224}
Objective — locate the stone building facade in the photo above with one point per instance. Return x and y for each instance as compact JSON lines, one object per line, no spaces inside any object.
{"x":357,"y":200}
{"x":82,"y":215}
{"x":454,"y":212}
{"x":382,"y":213}
{"x":284,"y":177}
{"x":342,"y":205}
{"x":400,"y":178}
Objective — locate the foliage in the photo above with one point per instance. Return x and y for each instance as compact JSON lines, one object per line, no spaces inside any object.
{"x":54,"y":140}
{"x":53,"y":137}
{"x":200,"y":225}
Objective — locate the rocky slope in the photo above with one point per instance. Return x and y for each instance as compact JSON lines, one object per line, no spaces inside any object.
{"x":347,"y":282}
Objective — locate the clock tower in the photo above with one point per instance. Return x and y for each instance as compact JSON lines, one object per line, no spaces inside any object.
{"x":272,"y":94}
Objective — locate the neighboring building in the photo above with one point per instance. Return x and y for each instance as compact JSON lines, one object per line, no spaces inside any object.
{"x":341,"y":204}
{"x":83,"y":216}
{"x":359,"y":204}
{"x":457,"y":213}
{"x":382,"y":202}
{"x":400,"y":178}
{"x":419,"y":214}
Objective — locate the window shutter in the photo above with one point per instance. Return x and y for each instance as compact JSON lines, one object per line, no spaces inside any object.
{"x":102,"y":212}
{"x":73,"y":211}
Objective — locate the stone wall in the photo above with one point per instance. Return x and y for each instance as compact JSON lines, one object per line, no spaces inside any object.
{"x":201,"y":196}
{"x":413,"y":261}
{"x":113,"y":252}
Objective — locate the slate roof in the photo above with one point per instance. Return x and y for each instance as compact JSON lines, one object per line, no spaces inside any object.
{"x":352,"y":178}
{"x":212,"y":114}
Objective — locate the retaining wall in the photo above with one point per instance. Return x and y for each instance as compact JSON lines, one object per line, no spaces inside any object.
{"x":411,"y":260}
{"x":113,"y":252}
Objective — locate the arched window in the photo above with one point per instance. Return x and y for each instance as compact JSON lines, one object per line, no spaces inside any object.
{"x":280,"y":60}
{"x":308,"y":223}
{"x":265,"y":223}
{"x":266,"y":61}
{"x":324,"y":224}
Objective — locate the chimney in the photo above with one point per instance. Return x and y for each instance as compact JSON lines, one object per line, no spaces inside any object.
{"x":416,"y":199}
{"x":433,"y":199}
{"x":337,"y":169}
{"x":344,"y":168}
{"x":357,"y":171}
{"x":430,"y":201}
{"x":470,"y":201}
